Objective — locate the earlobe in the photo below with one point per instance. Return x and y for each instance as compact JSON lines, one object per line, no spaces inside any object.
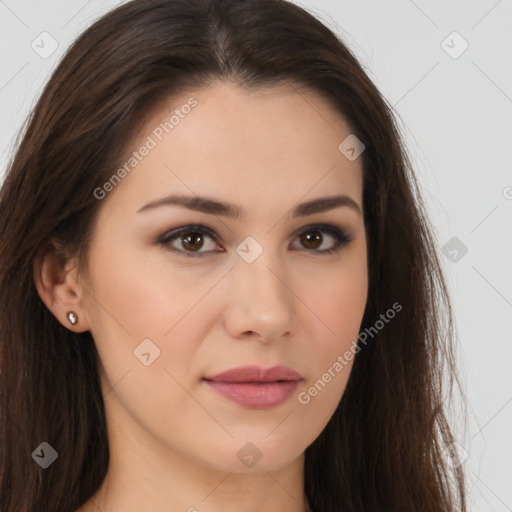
{"x":55,"y":278}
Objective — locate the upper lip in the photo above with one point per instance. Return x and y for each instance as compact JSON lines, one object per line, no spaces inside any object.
{"x":256,"y":374}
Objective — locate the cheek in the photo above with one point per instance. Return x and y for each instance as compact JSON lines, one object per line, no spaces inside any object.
{"x":337,"y":311}
{"x":138,"y":312}
{"x":134,"y":300}
{"x":337,"y":300}
{"x":140,"y":295}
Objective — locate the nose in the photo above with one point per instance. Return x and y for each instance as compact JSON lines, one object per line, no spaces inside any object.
{"x":261,"y":302}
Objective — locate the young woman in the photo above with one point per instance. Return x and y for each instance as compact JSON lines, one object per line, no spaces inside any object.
{"x":219,"y":290}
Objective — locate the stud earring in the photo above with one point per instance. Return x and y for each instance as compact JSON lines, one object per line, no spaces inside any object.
{"x":72,"y":317}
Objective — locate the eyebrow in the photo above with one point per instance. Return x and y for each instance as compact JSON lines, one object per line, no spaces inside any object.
{"x":214,"y":207}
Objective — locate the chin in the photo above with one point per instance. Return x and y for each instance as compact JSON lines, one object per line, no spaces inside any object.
{"x":256,"y":455}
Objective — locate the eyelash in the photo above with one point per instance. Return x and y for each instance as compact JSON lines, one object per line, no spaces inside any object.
{"x":341,"y":237}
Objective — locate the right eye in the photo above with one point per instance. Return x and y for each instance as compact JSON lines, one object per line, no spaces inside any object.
{"x":191,"y":239}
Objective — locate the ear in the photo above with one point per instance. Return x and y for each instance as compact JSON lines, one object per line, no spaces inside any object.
{"x":56,"y":280}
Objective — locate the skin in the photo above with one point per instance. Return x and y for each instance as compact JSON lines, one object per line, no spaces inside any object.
{"x":174,"y":440}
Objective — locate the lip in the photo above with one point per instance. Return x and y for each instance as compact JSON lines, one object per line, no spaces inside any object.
{"x":256,"y":374}
{"x":254,"y":387}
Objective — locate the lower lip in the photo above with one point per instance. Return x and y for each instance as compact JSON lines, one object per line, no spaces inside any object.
{"x":254,"y":395}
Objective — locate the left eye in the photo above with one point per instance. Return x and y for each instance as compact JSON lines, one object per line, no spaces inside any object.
{"x":312,"y":238}
{"x":192,"y":239}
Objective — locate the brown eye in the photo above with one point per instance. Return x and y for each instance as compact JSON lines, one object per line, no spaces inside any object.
{"x":311,"y":239}
{"x":314,"y":237}
{"x":193,"y":238}
{"x":192,"y":241}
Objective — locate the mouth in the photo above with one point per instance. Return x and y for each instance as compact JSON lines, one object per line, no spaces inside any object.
{"x":254,"y":387}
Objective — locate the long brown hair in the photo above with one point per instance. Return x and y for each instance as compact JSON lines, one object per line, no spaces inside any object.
{"x":383,"y":448}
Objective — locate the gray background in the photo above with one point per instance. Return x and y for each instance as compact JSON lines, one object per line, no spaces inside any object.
{"x":455,"y":113}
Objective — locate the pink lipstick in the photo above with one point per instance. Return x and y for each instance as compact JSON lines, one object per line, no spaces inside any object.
{"x":255,"y":387}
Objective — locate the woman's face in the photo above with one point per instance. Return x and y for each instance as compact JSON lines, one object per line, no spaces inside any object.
{"x":259,"y":289}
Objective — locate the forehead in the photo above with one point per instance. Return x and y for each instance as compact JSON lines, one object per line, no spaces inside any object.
{"x":276,"y":144}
